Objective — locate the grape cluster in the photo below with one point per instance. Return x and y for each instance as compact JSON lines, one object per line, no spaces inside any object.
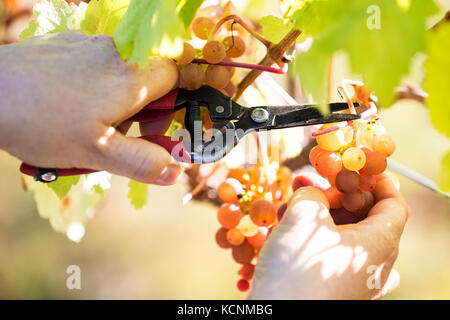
{"x":193,"y":75}
{"x":249,"y":213}
{"x":351,"y":158}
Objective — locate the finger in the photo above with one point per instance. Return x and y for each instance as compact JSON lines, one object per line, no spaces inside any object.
{"x":156,"y":127}
{"x":391,"y":284}
{"x":308,"y":205}
{"x":385,"y":189}
{"x":169,"y":175}
{"x":132,"y":157}
{"x":312,"y":179}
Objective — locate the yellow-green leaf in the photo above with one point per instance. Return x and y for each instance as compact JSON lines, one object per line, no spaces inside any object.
{"x":437,"y":83}
{"x":103,"y":16}
{"x":274,"y":29}
{"x":63,"y":185}
{"x":137,"y":194}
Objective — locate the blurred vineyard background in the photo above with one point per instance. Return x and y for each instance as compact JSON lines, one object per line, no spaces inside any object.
{"x":167,"y":251}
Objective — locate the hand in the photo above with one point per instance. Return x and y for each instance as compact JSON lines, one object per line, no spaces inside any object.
{"x":64,"y":99}
{"x":307,"y":256}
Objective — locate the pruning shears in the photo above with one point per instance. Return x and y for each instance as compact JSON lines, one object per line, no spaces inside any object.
{"x":231,"y":122}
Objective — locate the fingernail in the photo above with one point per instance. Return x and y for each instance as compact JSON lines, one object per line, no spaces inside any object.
{"x":170,"y":175}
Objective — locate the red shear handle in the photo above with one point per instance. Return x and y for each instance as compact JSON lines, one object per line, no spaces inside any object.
{"x":174,"y":147}
{"x":157,"y":109}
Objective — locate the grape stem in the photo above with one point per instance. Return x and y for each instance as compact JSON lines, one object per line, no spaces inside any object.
{"x":199,"y":187}
{"x":279,"y":70}
{"x":239,"y":20}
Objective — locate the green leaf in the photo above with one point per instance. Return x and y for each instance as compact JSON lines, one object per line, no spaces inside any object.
{"x":186,"y":10}
{"x":54,"y":16}
{"x":381,"y":55}
{"x":98,"y":190}
{"x":137,"y":194}
{"x":103,"y":16}
{"x":149,"y":28}
{"x":274,"y":29}
{"x":445,"y":173}
{"x":174,"y":125}
{"x":63,"y":185}
{"x":437,"y":84}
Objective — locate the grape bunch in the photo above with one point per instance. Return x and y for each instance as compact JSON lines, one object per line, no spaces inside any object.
{"x":194,"y":75}
{"x":248,"y":214}
{"x":351,"y":159}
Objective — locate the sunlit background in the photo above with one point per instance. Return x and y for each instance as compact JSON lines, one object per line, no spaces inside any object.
{"x":168,"y":251}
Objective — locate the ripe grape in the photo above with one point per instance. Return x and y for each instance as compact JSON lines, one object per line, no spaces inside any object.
{"x":229,"y":215}
{"x":331,"y":141}
{"x":247,"y":227}
{"x":375,"y":163}
{"x":217,"y":76}
{"x":247,"y":271}
{"x":368,"y":204}
{"x":341,"y":216}
{"x":202,"y":27}
{"x":240,"y":174}
{"x":257,"y":241}
{"x":229,"y":190}
{"x":281,"y":211}
{"x":262,"y":213}
{"x":230,"y":89}
{"x":347,"y":181}
{"x":221,"y":238}
{"x":314,"y":153}
{"x":353,"y":201}
{"x":284,"y":177}
{"x":243,"y":254}
{"x":367,"y":182}
{"x":334,"y":197}
{"x":192,"y":76}
{"x":235,"y":237}
{"x":328,"y":163}
{"x":235,"y":46}
{"x":353,"y":159}
{"x":214,"y":51}
{"x":383,"y":144}
{"x":187,"y":55}
{"x":243,"y":285}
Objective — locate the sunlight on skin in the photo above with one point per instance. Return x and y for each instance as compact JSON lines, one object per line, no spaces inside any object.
{"x":103,"y":140}
{"x":360,"y":258}
{"x":142,"y":95}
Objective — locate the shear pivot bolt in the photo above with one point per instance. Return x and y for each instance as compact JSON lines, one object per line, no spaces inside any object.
{"x":259,"y":115}
{"x":48,"y":177}
{"x":220,"y":109}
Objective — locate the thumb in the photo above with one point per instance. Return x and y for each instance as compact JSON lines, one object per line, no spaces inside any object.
{"x":134,"y":158}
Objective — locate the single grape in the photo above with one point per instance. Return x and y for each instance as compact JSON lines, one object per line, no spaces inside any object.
{"x":247,"y":271}
{"x":187,"y":55}
{"x":257,"y":241}
{"x":243,"y":254}
{"x":375,"y":163}
{"x":214,"y":51}
{"x":229,"y":215}
{"x":230,"y":89}
{"x":334,"y":197}
{"x":368,"y":204}
{"x":247,"y":227}
{"x":192,"y":77}
{"x":383,"y":144}
{"x":354,"y":159}
{"x":347,"y":181}
{"x":341,"y":216}
{"x":331,"y":141}
{"x":241,"y":175}
{"x":367,"y":182}
{"x":217,"y":76}
{"x":235,"y":237}
{"x":230,"y":190}
{"x":243,"y":285}
{"x":284,"y":177}
{"x":221,"y":238}
{"x":281,"y":211}
{"x":262,"y":213}
{"x":202,"y":27}
{"x":328,"y":163}
{"x":235,"y":46}
{"x":314,"y":153}
{"x":353,"y":201}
